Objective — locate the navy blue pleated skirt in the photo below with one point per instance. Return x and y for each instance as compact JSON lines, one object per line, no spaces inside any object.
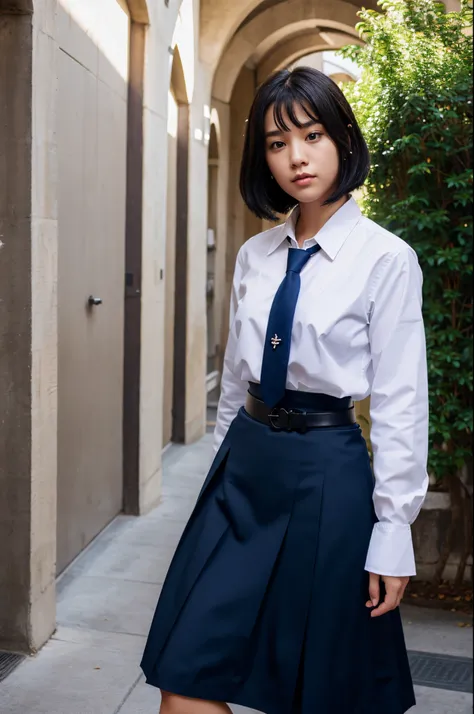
{"x":264,"y":601}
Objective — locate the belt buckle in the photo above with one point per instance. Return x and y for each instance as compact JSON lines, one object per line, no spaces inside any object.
{"x":275,"y":416}
{"x":281,"y":420}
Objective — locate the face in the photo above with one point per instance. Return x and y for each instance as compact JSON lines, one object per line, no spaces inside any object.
{"x":304,"y":162}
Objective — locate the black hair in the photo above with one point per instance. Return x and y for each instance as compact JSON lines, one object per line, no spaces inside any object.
{"x":322,"y":101}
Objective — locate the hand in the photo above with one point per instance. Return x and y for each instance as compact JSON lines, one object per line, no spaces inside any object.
{"x":394,"y":587}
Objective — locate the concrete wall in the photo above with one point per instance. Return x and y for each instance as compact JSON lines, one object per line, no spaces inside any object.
{"x":15,"y":326}
{"x":28,"y":365}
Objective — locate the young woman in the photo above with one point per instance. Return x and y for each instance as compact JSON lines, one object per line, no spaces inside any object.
{"x":284,"y":590}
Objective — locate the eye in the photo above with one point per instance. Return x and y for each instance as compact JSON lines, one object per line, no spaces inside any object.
{"x":314,"y":135}
{"x":277,"y":145}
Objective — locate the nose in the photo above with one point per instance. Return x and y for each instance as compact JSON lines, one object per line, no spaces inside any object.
{"x":298,"y":155}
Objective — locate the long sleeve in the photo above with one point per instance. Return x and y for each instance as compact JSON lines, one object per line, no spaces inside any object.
{"x":233,"y":389}
{"x":399,"y":412}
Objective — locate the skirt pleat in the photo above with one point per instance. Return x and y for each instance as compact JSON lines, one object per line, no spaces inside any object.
{"x":264,"y":601}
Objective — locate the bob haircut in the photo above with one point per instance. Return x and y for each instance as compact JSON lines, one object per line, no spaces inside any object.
{"x":323,"y":101}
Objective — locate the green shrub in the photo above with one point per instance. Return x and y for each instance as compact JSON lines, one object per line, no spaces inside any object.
{"x":414,"y":103}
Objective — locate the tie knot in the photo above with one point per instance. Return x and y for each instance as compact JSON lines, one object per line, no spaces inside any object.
{"x":297,"y":258}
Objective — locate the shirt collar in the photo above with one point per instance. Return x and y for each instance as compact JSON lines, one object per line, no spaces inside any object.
{"x":332,"y":235}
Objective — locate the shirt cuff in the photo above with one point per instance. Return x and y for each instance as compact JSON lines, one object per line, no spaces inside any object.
{"x":391,"y":551}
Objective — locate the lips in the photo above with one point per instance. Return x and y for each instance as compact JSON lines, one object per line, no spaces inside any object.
{"x":300,"y":177}
{"x":303,"y":179}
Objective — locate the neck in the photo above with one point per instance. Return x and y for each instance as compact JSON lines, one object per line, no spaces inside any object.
{"x":313,"y":216}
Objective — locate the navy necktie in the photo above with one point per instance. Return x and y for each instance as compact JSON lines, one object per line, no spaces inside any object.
{"x":276,"y":353}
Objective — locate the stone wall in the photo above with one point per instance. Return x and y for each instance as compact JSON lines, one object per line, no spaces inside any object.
{"x":429,"y":533}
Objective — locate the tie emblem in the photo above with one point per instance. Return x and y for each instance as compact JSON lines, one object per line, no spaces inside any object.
{"x":275,"y":341}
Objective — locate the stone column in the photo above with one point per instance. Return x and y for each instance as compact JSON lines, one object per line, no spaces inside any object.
{"x":196,"y":322}
{"x":28,"y":325}
{"x":221,"y":295}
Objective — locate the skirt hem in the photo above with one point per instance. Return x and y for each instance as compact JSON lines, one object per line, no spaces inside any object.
{"x":234,"y":700}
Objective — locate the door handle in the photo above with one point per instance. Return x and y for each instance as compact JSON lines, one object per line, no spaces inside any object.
{"x":94,"y":301}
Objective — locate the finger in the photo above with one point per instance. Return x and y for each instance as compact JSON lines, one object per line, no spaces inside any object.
{"x":382,"y":609}
{"x":390,"y":603}
{"x":394,"y":591}
{"x":374,"y":589}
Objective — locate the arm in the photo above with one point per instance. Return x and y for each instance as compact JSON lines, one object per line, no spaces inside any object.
{"x":399,"y":413}
{"x":233,"y":389}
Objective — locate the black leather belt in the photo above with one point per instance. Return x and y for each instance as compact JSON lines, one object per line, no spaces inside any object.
{"x":282,"y":419}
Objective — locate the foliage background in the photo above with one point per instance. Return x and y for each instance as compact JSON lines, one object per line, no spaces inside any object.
{"x":414,"y":104}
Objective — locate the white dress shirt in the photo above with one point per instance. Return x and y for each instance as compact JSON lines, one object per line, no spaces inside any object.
{"x":358,"y":330}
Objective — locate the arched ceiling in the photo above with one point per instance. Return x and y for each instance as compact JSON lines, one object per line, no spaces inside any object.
{"x":267,"y":4}
{"x":329,"y":35}
{"x":221,"y":19}
{"x":264,"y":5}
{"x":280,"y":24}
{"x":294,"y":48}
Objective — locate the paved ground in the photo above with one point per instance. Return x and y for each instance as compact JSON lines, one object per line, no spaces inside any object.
{"x":106,"y":600}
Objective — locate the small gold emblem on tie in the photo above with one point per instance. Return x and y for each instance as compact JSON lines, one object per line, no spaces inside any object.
{"x":275,"y":341}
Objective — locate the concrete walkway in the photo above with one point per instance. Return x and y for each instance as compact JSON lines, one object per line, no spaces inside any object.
{"x":105,"y":604}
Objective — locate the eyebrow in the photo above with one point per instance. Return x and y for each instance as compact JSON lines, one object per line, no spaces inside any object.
{"x":278,"y":132}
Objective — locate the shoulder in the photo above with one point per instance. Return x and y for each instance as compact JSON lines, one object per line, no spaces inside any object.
{"x":388,"y":255}
{"x":259,"y":244}
{"x":385,"y":245}
{"x":393,"y":262}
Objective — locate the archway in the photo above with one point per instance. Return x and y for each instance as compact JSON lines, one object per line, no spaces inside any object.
{"x":133,"y":257}
{"x":292,"y":23}
{"x":217,"y":265}
{"x":289,"y":52}
{"x":212,"y":247}
{"x":221,"y":21}
{"x":337,"y":68}
{"x":176,"y":260}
